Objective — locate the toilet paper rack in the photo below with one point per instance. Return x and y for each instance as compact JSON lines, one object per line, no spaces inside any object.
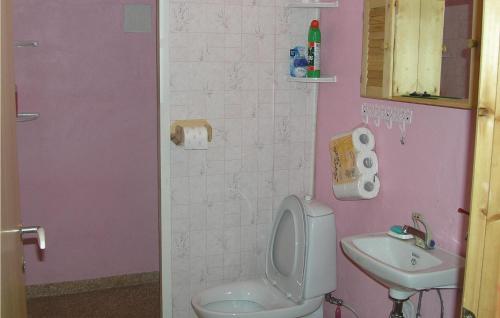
{"x":177,"y":129}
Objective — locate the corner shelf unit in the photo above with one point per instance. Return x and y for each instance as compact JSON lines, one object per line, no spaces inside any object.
{"x":314,"y":4}
{"x":322,"y":79}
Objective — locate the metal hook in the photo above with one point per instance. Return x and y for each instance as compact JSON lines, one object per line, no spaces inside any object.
{"x":388,"y":123}
{"x":364,"y":114}
{"x":402,"y":128}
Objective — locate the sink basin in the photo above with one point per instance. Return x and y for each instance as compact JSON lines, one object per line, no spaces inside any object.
{"x":402,"y":266}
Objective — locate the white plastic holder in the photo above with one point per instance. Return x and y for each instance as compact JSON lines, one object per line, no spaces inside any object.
{"x":322,"y":79}
{"x":29,"y":43}
{"x":314,"y":4}
{"x":22,"y":117}
{"x":403,"y":116}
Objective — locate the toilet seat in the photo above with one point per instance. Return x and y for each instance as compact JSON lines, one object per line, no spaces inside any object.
{"x":286,"y":252}
{"x":250,"y":299}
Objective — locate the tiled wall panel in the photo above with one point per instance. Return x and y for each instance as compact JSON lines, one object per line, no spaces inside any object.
{"x":229,"y":64}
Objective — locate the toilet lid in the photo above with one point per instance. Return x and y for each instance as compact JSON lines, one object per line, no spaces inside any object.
{"x":287,"y":249}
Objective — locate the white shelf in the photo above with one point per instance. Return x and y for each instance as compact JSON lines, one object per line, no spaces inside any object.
{"x":312,"y":4}
{"x":22,"y":117}
{"x":322,"y":79}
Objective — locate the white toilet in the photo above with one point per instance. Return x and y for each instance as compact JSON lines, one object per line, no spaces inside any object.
{"x":300,"y":269}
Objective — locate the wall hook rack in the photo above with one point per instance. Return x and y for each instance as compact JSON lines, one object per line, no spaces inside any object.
{"x":390,"y":115}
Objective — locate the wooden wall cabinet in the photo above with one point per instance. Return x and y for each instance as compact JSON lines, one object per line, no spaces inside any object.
{"x":403,"y":52}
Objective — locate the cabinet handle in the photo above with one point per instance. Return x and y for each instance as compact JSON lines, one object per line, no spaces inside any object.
{"x":38,"y":230}
{"x":463,"y":211}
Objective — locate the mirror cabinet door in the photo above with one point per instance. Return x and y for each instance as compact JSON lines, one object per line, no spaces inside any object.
{"x":420,"y":51}
{"x":418,"y":43}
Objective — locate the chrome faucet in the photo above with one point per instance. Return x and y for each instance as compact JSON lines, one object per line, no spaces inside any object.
{"x":423,"y":238}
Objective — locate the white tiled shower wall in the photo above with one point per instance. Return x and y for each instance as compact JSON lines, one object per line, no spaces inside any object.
{"x":229,"y":64}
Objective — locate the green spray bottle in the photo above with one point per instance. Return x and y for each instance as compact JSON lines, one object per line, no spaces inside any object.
{"x":314,"y":39}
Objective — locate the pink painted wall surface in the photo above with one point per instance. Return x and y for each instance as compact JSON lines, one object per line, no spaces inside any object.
{"x":429,"y":174}
{"x":88,"y":165}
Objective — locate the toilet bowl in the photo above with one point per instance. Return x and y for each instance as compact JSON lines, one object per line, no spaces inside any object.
{"x":300,"y":269}
{"x":252,"y":299}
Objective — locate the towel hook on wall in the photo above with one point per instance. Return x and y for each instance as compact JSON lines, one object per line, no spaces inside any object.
{"x":401,"y":115}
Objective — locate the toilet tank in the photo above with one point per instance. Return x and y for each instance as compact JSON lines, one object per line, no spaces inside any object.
{"x":321,"y":269}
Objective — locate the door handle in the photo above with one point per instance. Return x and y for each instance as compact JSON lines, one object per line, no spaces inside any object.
{"x":38,"y":230}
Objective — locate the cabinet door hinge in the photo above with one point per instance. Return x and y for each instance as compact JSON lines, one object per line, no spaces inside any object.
{"x":472,"y":43}
{"x":466,"y":313}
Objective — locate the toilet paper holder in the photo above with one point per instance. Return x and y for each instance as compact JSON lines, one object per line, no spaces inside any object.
{"x":177,"y":129}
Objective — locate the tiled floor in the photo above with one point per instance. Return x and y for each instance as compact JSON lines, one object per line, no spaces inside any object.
{"x":126,"y":302}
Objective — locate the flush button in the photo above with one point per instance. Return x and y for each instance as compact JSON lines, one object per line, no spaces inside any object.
{"x":308,"y":198}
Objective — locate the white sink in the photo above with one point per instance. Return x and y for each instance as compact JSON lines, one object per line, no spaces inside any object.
{"x":402,"y":266}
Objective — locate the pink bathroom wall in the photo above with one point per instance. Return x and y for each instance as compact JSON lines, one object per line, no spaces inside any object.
{"x":88,"y":165}
{"x":430,"y":173}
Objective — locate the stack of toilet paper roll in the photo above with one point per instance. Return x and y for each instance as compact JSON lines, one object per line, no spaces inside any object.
{"x":354,"y":165}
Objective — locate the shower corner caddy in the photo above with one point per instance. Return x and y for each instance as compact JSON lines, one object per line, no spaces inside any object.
{"x":311,"y":4}
{"x":322,"y":79}
{"x":314,"y":4}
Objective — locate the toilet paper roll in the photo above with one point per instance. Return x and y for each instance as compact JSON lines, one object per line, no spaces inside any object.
{"x":362,"y":138}
{"x":195,"y":138}
{"x":365,"y":187}
{"x":366,"y":163}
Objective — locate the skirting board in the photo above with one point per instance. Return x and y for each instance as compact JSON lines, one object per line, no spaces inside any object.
{"x":88,"y":285}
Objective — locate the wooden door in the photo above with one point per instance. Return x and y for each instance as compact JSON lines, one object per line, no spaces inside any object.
{"x":12,"y":293}
{"x":481,"y":297}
